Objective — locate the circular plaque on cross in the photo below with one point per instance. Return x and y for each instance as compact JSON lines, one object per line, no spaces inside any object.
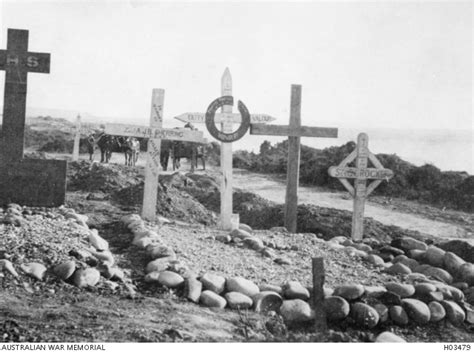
{"x":220,"y":135}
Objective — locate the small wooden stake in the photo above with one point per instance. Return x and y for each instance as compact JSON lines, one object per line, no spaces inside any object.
{"x":320,"y":323}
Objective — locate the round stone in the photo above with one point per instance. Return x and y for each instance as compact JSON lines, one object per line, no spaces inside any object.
{"x":236,"y":300}
{"x":410,"y":263}
{"x":296,"y":311}
{"x":336,"y":308}
{"x":34,"y":269}
{"x":398,"y":269}
{"x":350,"y":291}
{"x":403,"y":290}
{"x":388,"y":337}
{"x":452,"y":263}
{"x":142,"y":242}
{"x":159,"y":265}
{"x":158,"y":251}
{"x":245,"y":227}
{"x":454,"y":313}
{"x":213,"y":282}
{"x":104,"y":256}
{"x":240,"y":234}
{"x":265,"y":287}
{"x":242,"y":285}
{"x":398,"y":315}
{"x":375,"y":260}
{"x":97,"y":241}
{"x":266,"y":301}
{"x":8,"y":266}
{"x":466,"y":273}
{"x":418,"y":311}
{"x":170,"y":279}
{"x":364,"y":315}
{"x":87,"y":277}
{"x":408,"y":243}
{"x":294,"y":290}
{"x":65,"y":270}
{"x":382,"y":310}
{"x":224,"y":238}
{"x":193,"y":289}
{"x":254,"y":243}
{"x":418,"y":255}
{"x":211,"y":299}
{"x":437,"y":312}
{"x":437,"y":273}
{"x":422,"y":289}
{"x":374,"y":291}
{"x":435,"y":256}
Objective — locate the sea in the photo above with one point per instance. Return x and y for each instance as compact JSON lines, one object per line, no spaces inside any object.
{"x":448,"y":150}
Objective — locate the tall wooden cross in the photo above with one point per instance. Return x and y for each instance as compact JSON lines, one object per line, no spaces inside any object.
{"x":155,"y":133}
{"x":226,"y":118}
{"x":294,"y":131}
{"x":25,"y":181}
{"x":77,"y":139}
{"x":361,"y":173}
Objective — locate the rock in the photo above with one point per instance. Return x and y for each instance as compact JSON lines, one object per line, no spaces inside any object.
{"x":240,"y":234}
{"x":34,"y":269}
{"x":386,"y":257}
{"x":374,"y":291}
{"x":136,"y":224}
{"x":282,"y":261}
{"x":382,"y":310}
{"x":437,"y":312}
{"x":336,"y":308}
{"x":142,"y":243}
{"x":242,"y":285}
{"x":391,"y":250}
{"x":335,"y":246}
{"x":158,"y":251}
{"x":354,"y":252}
{"x":294,"y":290}
{"x":245,"y":227}
{"x":398,"y":269}
{"x":456,"y":293}
{"x":127,"y":219}
{"x":454,"y":312}
{"x":180,"y":268}
{"x":267,"y":252}
{"x":418,"y":311}
{"x":388,"y":337}
{"x":403,"y":290}
{"x":434,"y":296}
{"x":398,"y":315}
{"x":88,"y":277}
{"x":349,"y":291}
{"x":236,"y":300}
{"x":328,"y":291}
{"x":65,"y":270}
{"x":152,"y":277}
{"x":212,"y":300}
{"x":296,"y":311}
{"x":407,"y":244}
{"x":104,"y":256}
{"x":461,"y":248}
{"x":362,"y":247}
{"x":460,"y":285}
{"x":146,"y":233}
{"x":97,"y":241}
{"x":223,"y":238}
{"x":347,"y":242}
{"x":170,"y":279}
{"x":266,"y":301}
{"x":254,"y":243}
{"x":390,"y":298}
{"x":110,"y":272}
{"x":435,"y":256}
{"x":422,"y":289}
{"x":193,"y":288}
{"x":452,"y":263}
{"x":364,"y":315}
{"x":469,"y":295}
{"x":466,"y":273}
{"x":418,"y":255}
{"x":265,"y":287}
{"x":159,"y":265}
{"x":213,"y":282}
{"x":469,"y":310}
{"x":417,"y":277}
{"x":410,"y":263}
{"x":375,"y":260}
{"x":438,"y":273}
{"x":6,"y":265}
{"x":338,"y":240}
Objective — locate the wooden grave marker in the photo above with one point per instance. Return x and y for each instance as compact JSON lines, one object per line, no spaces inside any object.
{"x":226,"y":118}
{"x":81,"y":129}
{"x":294,"y":131}
{"x":154,"y":133}
{"x":24,"y":181}
{"x":361,"y":173}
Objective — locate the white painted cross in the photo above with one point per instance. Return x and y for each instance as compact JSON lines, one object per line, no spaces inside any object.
{"x":294,"y":131}
{"x":81,"y":129}
{"x":361,"y":173}
{"x":155,"y":133}
{"x":226,"y":118}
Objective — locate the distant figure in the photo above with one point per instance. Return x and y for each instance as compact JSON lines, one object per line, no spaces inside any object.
{"x":90,"y":143}
{"x":166,"y":151}
{"x":132,"y":150}
{"x":189,"y":150}
{"x":107,"y":144}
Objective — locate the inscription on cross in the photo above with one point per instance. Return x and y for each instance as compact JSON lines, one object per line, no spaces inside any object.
{"x":24,"y":181}
{"x":294,"y":131}
{"x":361,"y":173}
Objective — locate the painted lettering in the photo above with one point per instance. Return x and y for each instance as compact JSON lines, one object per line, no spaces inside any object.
{"x":32,"y":61}
{"x":12,"y":60}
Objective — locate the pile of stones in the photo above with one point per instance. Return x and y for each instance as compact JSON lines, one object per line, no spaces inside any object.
{"x":424,"y":299}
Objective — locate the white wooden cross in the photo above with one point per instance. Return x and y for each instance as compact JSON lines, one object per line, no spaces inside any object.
{"x":155,"y":133}
{"x":294,"y":131}
{"x":226,"y":118}
{"x":361,"y":173}
{"x":81,"y":129}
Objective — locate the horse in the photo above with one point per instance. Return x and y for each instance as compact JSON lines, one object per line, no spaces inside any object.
{"x":107,"y":144}
{"x":131,"y":148}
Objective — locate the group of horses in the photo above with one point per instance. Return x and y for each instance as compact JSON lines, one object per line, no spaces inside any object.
{"x":130,"y":147}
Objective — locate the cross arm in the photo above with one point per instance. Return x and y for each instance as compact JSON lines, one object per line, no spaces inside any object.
{"x":155,"y":133}
{"x":285,"y":130}
{"x":38,"y":62}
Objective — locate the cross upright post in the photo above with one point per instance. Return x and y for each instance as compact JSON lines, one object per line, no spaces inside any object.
{"x":77,"y":139}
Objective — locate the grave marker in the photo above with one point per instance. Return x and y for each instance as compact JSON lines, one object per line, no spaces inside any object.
{"x":24,"y":181}
{"x":155,"y":133}
{"x":294,"y":131}
{"x":361,"y":173}
{"x":77,"y":139}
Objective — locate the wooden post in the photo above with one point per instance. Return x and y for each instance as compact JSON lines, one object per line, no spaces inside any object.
{"x":77,"y":139}
{"x":320,"y":323}
{"x":361,"y":173}
{"x":293,"y":166}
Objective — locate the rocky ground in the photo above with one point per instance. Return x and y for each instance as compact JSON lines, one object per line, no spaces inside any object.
{"x":104,"y":289}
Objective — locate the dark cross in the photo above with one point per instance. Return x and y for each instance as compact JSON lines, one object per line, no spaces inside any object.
{"x":28,"y":182}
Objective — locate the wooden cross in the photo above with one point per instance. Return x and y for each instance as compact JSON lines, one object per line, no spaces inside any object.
{"x":77,"y":139}
{"x":361,"y":173}
{"x":24,"y":181}
{"x":294,"y":131}
{"x":226,"y":118}
{"x":155,"y":133}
